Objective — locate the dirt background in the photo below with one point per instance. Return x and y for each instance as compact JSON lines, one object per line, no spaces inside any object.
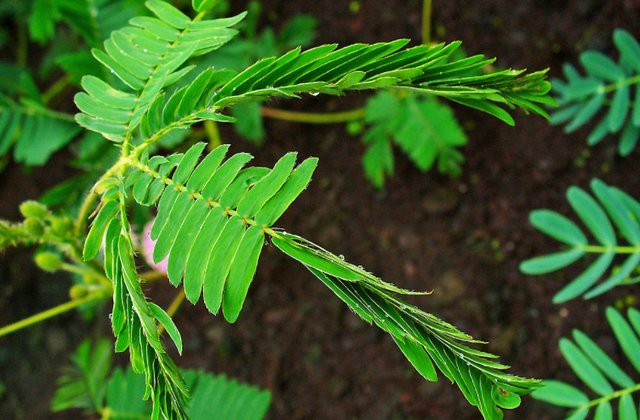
{"x":462,"y":238}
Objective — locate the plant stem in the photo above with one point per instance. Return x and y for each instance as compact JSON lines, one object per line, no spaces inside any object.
{"x":313,"y":118}
{"x":55,"y":89}
{"x":617,"y":249}
{"x":50,"y":313}
{"x":628,"y":81}
{"x":610,"y":397}
{"x":21,"y":53}
{"x":213,"y":133}
{"x":151,"y":276}
{"x":175,"y":305}
{"x":173,"y":308}
{"x":426,"y":22}
{"x":85,"y":211}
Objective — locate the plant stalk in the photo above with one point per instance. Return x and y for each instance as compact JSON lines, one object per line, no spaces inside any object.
{"x":173,"y":308}
{"x":55,"y":89}
{"x":597,"y":249}
{"x":426,"y":22}
{"x":50,"y":313}
{"x":313,"y":118}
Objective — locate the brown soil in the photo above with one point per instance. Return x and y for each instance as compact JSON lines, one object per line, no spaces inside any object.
{"x":462,"y":238}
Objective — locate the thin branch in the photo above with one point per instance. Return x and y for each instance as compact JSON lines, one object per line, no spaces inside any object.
{"x":173,"y":308}
{"x":426,"y":22}
{"x":313,"y":118}
{"x":55,"y":89}
{"x":50,"y":313}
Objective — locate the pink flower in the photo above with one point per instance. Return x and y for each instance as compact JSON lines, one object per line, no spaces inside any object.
{"x":147,"y":245}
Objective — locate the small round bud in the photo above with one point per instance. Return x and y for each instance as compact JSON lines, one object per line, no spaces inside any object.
{"x":62,"y":226}
{"x":90,"y":279}
{"x":355,"y":128}
{"x":33,"y":209}
{"x":33,"y":226}
{"x":78,"y":291}
{"x":48,"y":261}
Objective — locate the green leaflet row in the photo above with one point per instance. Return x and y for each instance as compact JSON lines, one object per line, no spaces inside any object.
{"x":90,"y":383}
{"x":603,"y":92}
{"x":610,"y":212}
{"x":148,"y":56}
{"x":33,"y":131}
{"x":213,"y":215}
{"x":425,"y":340}
{"x":423,"y":127}
{"x":611,"y":384}
{"x":211,"y":219}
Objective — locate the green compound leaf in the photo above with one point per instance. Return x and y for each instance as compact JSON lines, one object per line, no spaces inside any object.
{"x":33,"y":131}
{"x":136,"y":328}
{"x":211,"y":393}
{"x":210,"y":216}
{"x":83,"y":384}
{"x":424,"y":128}
{"x":594,"y":367}
{"x":423,"y":338}
{"x":213,"y":216}
{"x":147,"y":57}
{"x":610,"y":205}
{"x":607,"y":84}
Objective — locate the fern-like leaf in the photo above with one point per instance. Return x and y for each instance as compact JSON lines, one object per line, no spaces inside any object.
{"x":615,"y":206}
{"x":212,"y":218}
{"x":212,"y":221}
{"x":598,"y":372}
{"x":83,"y":384}
{"x":33,"y":131}
{"x":423,"y":338}
{"x":145,"y":57}
{"x":136,"y":329}
{"x":323,"y":69}
{"x":425,"y":129}
{"x":227,"y":398}
{"x":606,"y":85}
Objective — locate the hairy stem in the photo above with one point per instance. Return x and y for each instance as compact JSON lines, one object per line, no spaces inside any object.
{"x":55,"y":311}
{"x":313,"y":118}
{"x":426,"y":22}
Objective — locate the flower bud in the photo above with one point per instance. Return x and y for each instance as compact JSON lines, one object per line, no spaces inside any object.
{"x":33,"y":209}
{"x":78,"y":291}
{"x":48,"y":261}
{"x":34,"y":226}
{"x":62,"y":226}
